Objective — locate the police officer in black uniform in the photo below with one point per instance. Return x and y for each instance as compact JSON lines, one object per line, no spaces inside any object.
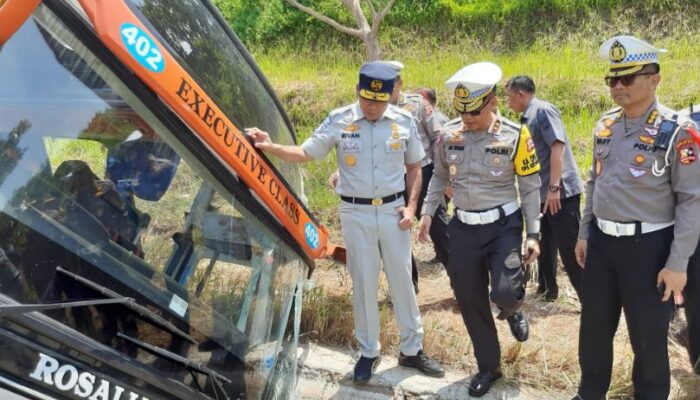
{"x":640,"y":224}
{"x":489,"y":162}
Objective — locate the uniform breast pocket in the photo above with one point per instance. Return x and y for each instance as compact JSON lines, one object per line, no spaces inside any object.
{"x":455,"y":157}
{"x":394,"y":146}
{"x":350,"y":146}
{"x":498,"y":167}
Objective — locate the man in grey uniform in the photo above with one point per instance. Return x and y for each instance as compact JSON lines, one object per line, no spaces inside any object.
{"x":481,"y":156}
{"x":640,"y":224}
{"x":428,"y":128}
{"x":561,"y":186}
{"x":375,"y":143}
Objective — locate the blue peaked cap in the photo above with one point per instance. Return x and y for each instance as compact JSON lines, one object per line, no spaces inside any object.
{"x":377,"y":81}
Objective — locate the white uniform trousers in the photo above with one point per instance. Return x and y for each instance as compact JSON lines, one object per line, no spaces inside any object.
{"x":372,"y":233}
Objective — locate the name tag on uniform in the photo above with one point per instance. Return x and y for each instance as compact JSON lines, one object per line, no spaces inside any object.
{"x":393,"y":146}
{"x":350,"y":146}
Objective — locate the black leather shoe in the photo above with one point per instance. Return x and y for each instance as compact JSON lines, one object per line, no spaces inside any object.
{"x":519,"y":326}
{"x":423,"y":363}
{"x":482,"y":381}
{"x":551,"y":296}
{"x":364,"y":368}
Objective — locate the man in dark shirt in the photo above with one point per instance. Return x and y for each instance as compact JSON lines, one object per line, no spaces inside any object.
{"x":561,"y":185}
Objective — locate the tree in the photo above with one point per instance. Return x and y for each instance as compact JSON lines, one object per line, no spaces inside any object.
{"x":368,"y":33}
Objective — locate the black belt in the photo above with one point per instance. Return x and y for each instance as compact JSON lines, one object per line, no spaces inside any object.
{"x":375,"y":202}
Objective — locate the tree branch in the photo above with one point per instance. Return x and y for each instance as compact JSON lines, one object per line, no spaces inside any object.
{"x":371,"y":9}
{"x":378,"y":19}
{"x":327,"y":20}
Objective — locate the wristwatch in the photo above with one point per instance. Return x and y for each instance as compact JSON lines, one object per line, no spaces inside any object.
{"x":555,"y":188}
{"x":535,"y":236}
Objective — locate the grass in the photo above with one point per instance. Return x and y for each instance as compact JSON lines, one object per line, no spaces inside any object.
{"x":568,"y":73}
{"x":547,"y":362}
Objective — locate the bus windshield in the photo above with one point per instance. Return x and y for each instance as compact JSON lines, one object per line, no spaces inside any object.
{"x":93,"y":185}
{"x":218,"y":62}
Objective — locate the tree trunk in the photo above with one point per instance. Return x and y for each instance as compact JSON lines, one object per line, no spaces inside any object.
{"x":372,"y":45}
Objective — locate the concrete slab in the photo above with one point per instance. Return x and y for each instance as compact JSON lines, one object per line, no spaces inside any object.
{"x":326,"y":373}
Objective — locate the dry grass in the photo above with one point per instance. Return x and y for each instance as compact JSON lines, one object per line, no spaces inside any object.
{"x":548,"y":362}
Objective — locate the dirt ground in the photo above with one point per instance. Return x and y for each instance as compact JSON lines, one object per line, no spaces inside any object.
{"x":548,"y":361}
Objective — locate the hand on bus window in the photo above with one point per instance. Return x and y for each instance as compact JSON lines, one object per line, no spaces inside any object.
{"x":260,"y":139}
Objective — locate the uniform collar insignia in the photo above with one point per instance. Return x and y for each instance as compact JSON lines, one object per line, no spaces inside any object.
{"x":456,"y":136}
{"x":651,"y":119}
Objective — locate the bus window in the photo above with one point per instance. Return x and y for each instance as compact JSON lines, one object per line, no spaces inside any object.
{"x":96,"y":193}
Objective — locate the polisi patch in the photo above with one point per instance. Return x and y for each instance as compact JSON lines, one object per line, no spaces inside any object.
{"x":497,"y":150}
{"x":686,"y":155}
{"x":67,"y":378}
{"x":644,"y":147}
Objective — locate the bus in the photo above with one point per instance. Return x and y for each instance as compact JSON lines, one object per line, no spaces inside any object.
{"x":147,"y":250}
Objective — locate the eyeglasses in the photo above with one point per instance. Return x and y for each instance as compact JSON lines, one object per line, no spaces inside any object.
{"x":627,"y":80}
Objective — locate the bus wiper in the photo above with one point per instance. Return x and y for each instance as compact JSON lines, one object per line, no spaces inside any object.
{"x":16,"y":309}
{"x":193,"y":365}
{"x":131,"y":304}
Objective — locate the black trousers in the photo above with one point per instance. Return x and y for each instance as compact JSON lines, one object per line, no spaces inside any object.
{"x":477,"y":253}
{"x":438,"y":228}
{"x":692,"y":308}
{"x":621,"y":273}
{"x":559,"y":235}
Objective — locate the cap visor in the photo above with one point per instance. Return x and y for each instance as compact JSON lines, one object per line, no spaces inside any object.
{"x":622,"y":71}
{"x":376,"y":96}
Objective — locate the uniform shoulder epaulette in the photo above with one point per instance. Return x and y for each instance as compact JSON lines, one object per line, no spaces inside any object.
{"x":506,"y":123}
{"x":413,"y":98}
{"x":449,"y":125}
{"x":611,"y":112}
{"x":400,"y":111}
{"x":451,"y":131}
{"x":611,"y":116}
{"x":340,"y":112}
{"x":691,"y":127}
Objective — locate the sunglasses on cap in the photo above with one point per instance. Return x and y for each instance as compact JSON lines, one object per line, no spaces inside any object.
{"x":627,"y":80}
